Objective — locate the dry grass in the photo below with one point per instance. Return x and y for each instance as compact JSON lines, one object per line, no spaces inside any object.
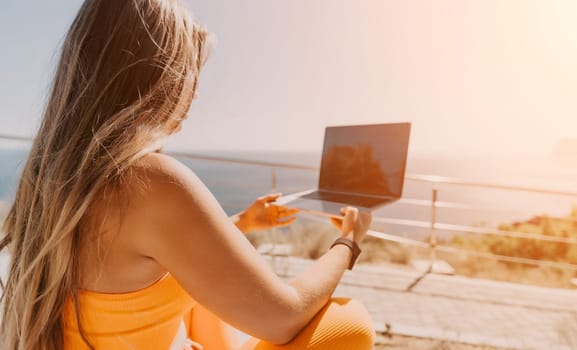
{"x":508,"y":272}
{"x":523,"y":248}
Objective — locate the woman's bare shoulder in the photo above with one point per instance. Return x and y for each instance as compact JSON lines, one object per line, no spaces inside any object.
{"x":161,"y":186}
{"x":164,"y":195}
{"x":162,"y":173}
{"x":159,"y":166}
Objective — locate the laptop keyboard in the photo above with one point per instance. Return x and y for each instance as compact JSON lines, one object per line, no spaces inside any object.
{"x":347,"y":199}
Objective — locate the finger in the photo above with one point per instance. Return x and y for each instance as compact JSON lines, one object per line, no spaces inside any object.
{"x":350,"y":219}
{"x":269,"y":197}
{"x":287,"y":214}
{"x":273,"y":196}
{"x":351,"y":212}
{"x":366,"y":217}
{"x":281,"y":208}
{"x":285,"y":222}
{"x":284,"y":211}
{"x":337,"y":222}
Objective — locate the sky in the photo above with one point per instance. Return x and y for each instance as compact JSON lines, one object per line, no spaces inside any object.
{"x":474,"y":77}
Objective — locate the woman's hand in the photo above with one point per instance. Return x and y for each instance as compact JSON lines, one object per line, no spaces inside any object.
{"x":263,"y":215}
{"x":354,"y":224}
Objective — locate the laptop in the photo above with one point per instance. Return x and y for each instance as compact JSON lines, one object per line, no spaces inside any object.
{"x":361,"y":166}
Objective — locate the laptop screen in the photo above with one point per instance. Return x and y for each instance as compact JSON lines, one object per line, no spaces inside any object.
{"x":365,"y":159}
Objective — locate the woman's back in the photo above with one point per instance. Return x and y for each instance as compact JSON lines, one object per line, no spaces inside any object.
{"x":109,"y":261}
{"x":127,"y":300}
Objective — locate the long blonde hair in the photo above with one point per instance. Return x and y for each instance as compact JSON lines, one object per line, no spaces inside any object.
{"x":127,"y":74}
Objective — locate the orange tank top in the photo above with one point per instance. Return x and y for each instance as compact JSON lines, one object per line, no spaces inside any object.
{"x":156,"y":317}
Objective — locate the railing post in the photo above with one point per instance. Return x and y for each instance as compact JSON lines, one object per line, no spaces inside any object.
{"x":433,"y":235}
{"x":272,"y":190}
{"x":432,"y":241}
{"x":274,"y":231}
{"x":273,"y":180}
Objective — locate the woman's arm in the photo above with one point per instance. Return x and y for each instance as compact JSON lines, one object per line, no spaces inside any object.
{"x":184,"y":229}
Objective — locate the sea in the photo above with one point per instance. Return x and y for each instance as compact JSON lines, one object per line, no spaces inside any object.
{"x":484,"y":191}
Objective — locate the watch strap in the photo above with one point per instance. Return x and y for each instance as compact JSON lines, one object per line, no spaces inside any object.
{"x":353,"y":246}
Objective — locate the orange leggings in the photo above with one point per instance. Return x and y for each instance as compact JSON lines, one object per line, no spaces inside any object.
{"x":342,"y":324}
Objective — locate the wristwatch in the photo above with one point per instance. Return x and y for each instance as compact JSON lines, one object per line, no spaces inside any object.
{"x":352,"y":245}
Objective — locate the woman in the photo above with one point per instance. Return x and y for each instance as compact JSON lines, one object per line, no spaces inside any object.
{"x":116,"y":246}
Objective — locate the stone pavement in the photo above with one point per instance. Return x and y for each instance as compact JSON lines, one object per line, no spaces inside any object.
{"x":457,"y":309}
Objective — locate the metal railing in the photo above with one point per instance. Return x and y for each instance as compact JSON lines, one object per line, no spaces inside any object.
{"x":433,"y":225}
